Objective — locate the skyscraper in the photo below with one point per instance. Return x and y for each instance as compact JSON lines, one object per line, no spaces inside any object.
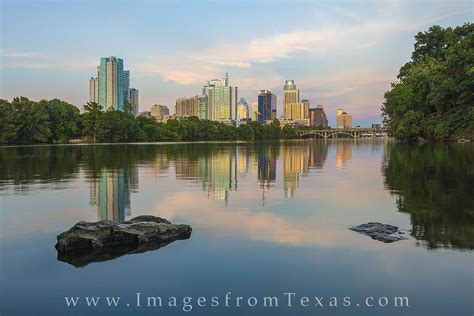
{"x":111,"y":85}
{"x":317,"y":117}
{"x":291,"y":94}
{"x":343,"y":120}
{"x":254,"y":111}
{"x":305,"y":108}
{"x":126,"y":85}
{"x":296,"y":112}
{"x":266,"y":106}
{"x":242,"y":110}
{"x":134,"y":100}
{"x":293,"y":109}
{"x":94,"y":90}
{"x":221,"y":99}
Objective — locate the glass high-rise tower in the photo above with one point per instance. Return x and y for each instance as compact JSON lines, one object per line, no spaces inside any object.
{"x":221,"y":100}
{"x":111,"y":83}
{"x":266,"y":106}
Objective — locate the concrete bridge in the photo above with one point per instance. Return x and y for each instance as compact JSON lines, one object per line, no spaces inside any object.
{"x":355,"y":133}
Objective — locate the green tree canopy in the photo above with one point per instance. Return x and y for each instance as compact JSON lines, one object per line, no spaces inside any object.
{"x":434,"y":99}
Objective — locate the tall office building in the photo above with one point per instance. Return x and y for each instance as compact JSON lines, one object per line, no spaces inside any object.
{"x":305,"y":108}
{"x":221,"y":100}
{"x":254,"y":111}
{"x":202,"y":104}
{"x":296,"y":112}
{"x":94,"y":90}
{"x":192,"y":106}
{"x":290,"y":93}
{"x":134,"y":100}
{"x":343,"y":120}
{"x":126,"y":85}
{"x":293,"y":109}
{"x":242,"y":110}
{"x":111,"y":85}
{"x":266,"y":106}
{"x":317,"y":117}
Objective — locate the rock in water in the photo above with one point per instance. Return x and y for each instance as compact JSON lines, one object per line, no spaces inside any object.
{"x":105,"y":240}
{"x":378,"y":231}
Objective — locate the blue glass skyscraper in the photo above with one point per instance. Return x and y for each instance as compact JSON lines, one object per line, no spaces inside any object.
{"x":111,"y":83}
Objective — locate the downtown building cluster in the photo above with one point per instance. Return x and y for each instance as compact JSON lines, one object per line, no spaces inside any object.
{"x":111,"y":88}
{"x":216,"y":102}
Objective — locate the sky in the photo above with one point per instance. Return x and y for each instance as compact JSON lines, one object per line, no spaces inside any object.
{"x":341,"y":54}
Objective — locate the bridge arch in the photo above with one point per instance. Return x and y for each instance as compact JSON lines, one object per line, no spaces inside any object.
{"x":311,"y":133}
{"x":331,"y":135}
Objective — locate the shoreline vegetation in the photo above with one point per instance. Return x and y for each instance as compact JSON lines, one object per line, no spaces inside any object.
{"x":432,"y":100}
{"x":23,"y":121}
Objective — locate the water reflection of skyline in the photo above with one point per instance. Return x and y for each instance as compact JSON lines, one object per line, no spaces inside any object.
{"x":111,"y":192}
{"x":218,"y":171}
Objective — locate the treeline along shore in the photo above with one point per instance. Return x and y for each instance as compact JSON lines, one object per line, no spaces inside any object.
{"x":24,"y":121}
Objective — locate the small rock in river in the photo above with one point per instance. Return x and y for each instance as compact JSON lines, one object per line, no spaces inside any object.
{"x":378,"y":231}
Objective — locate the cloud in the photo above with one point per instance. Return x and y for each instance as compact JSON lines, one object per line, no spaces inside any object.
{"x":42,"y":62}
{"x":13,"y":54}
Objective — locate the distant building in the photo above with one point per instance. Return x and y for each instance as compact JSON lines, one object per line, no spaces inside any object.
{"x":145,"y":113}
{"x":111,"y":94}
{"x":94,"y":90}
{"x":192,"y":106}
{"x":126,"y":85}
{"x":294,"y":111}
{"x":133,"y":99}
{"x":305,"y":108}
{"x":290,"y":93}
{"x":377,"y":126}
{"x":343,"y":120}
{"x":158,"y":111}
{"x":317,"y":117}
{"x":254,"y":111}
{"x":221,"y":100}
{"x":295,"y":114}
{"x":242,"y":110}
{"x":266,"y":106}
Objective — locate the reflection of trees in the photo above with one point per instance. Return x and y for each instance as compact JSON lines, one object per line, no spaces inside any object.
{"x":24,"y":165}
{"x":434,"y":185}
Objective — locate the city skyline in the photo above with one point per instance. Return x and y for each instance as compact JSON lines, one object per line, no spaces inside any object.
{"x":341,"y":55}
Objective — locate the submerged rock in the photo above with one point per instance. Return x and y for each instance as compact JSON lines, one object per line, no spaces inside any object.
{"x":88,"y":242}
{"x":378,"y":231}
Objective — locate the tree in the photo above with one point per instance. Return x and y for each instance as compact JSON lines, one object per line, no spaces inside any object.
{"x":33,"y":121}
{"x":433,"y":98}
{"x":92,"y":119}
{"x":128,"y":107}
{"x":9,"y":124}
{"x":64,"y":119}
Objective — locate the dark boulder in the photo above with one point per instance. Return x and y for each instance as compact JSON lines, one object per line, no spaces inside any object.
{"x":88,"y":242}
{"x":381,"y":232}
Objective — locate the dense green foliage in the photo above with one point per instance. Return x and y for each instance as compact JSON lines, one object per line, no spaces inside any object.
{"x":23,"y":121}
{"x":433,"y":183}
{"x":434,"y":99}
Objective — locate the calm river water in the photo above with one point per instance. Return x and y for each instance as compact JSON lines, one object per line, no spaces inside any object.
{"x":267,"y":218}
